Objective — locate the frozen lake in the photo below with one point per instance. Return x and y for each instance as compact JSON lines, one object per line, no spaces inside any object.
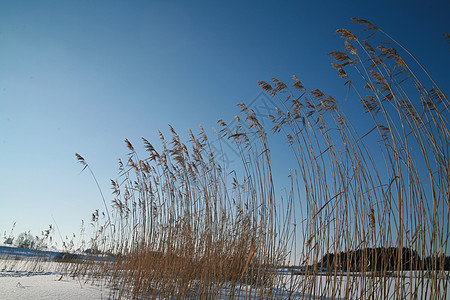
{"x":22,"y":277}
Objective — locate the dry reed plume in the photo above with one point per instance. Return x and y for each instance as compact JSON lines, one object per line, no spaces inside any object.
{"x":381,"y":188}
{"x":368,"y":206}
{"x":179,"y":229}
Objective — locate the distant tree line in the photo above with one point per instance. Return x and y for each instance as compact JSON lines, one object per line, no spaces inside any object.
{"x":29,"y":241}
{"x":380,"y":259}
{"x":26,"y":240}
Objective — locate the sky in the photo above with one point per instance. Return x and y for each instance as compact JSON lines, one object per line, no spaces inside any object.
{"x":81,"y":76}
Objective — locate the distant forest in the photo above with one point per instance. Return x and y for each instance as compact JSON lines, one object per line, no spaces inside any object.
{"x":380,"y":259}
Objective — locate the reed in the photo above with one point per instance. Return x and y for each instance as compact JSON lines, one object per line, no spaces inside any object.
{"x":180,"y":230}
{"x":368,"y":203}
{"x":385,"y":187}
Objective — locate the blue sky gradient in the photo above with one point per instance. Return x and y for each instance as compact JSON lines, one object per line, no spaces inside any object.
{"x":81,"y":76}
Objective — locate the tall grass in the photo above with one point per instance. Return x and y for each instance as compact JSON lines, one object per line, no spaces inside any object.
{"x":179,"y":228}
{"x":384,"y":187}
{"x":374,"y":196}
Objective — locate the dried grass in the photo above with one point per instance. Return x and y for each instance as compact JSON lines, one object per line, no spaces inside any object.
{"x":374,"y":197}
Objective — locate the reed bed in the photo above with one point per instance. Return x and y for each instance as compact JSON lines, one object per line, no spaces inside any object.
{"x":375,"y":200}
{"x":367,"y":209}
{"x":178,"y":229}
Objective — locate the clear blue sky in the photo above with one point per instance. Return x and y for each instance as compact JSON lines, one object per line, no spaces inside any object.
{"x":81,"y":76}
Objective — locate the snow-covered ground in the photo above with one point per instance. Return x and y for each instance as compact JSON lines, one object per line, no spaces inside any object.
{"x":56,"y":285}
{"x":47,"y":285}
{"x":22,"y":277}
{"x":31,"y":274}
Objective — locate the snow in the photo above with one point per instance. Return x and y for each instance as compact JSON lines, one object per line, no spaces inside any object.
{"x":56,"y":285}
{"x":47,"y":285}
{"x":24,"y":277}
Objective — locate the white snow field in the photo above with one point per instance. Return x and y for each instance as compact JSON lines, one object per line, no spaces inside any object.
{"x":54,"y":285}
{"x":27,"y":278}
{"x":47,"y":285}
